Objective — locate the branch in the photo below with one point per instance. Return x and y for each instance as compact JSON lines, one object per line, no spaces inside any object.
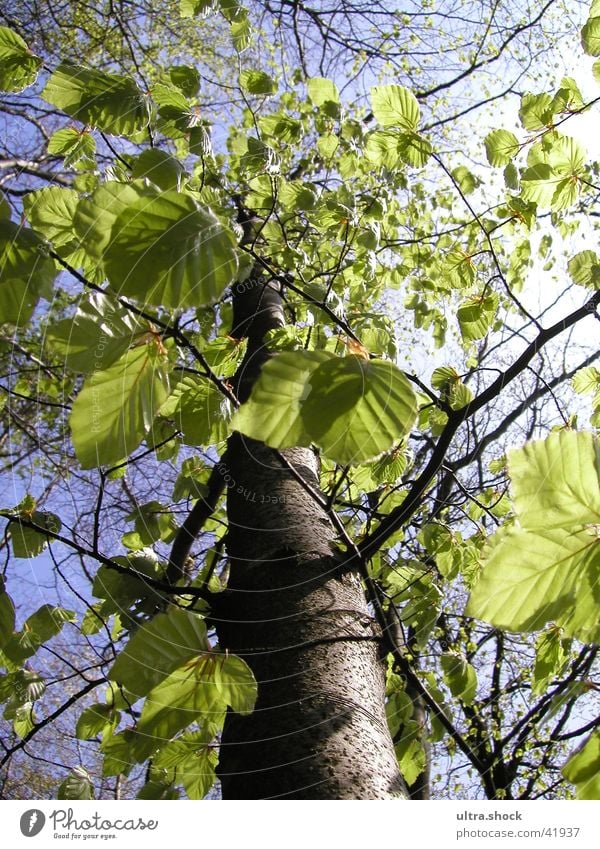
{"x":394,"y":521}
{"x":202,"y":510}
{"x":163,"y":586}
{"x":50,"y":718}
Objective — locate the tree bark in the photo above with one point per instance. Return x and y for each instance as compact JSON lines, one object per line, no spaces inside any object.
{"x":299,"y":617}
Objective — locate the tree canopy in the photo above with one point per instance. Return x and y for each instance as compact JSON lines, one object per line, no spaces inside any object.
{"x":414,"y":185}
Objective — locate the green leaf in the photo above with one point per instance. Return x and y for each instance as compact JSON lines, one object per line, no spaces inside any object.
{"x":584,"y":269}
{"x":412,"y":758}
{"x":157,"y":649}
{"x":115,"y":409}
{"x":24,"y":720}
{"x":538,"y":184}
{"x":395,"y":106}
{"x":173,"y":105}
{"x":547,"y":567}
{"x":583,"y":768}
{"x":186,"y":78}
{"x":111,"y":102}
{"x":281,"y":127}
{"x":511,"y":177}
{"x":240,"y":28}
{"x":26,"y":273}
{"x":198,"y":772}
{"x":153,"y":522}
{"x":182,"y":752}
{"x":51,"y":213}
{"x":555,"y":481}
{"x":98,"y":334}
{"x":116,"y":749}
{"x":567,"y":156}
{"x":418,"y":597}
{"x":357,"y":408}
{"x":96,"y":215}
{"x":73,"y":145}
{"x":191,"y":8}
{"x":460,"y":677}
{"x":466,"y":181}
{"x":322,"y":90}
{"x":327,"y":145}
{"x":389,"y":148}
{"x":162,"y":169}
{"x":296,"y":195}
{"x":77,"y":785}
{"x":18,"y":65}
{"x":587,"y":380}
{"x":235,"y":682}
{"x":568,"y":98}
{"x":536,"y":112}
{"x":7,"y":615}
{"x":500,"y":147}
{"x":158,"y":791}
{"x":273,"y":412}
{"x":168,"y":251}
{"x":476,"y":316}
{"x":201,"y":413}
{"x":202,"y":688}
{"x":28,"y":542}
{"x":550,"y":657}
{"x":257,"y":82}
{"x":47,"y":622}
{"x":94,"y":720}
{"x":121,"y":589}
{"x":590,"y":37}
{"x":21,"y":687}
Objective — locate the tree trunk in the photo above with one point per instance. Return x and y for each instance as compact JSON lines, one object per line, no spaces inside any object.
{"x":299,"y":618}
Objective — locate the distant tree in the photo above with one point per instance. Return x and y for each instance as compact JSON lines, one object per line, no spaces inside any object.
{"x":300,"y":400}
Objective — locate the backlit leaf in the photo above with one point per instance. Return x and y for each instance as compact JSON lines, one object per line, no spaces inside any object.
{"x":157,"y":649}
{"x":111,"y":102}
{"x":18,"y":65}
{"x":583,"y":768}
{"x":166,"y":250}
{"x":116,"y":407}
{"x":357,"y":408}
{"x":547,"y":566}
{"x":395,"y":106}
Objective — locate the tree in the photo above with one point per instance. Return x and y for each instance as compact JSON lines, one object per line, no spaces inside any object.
{"x":271,"y":538}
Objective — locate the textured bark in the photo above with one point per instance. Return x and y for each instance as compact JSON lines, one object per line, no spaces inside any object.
{"x":300,"y":619}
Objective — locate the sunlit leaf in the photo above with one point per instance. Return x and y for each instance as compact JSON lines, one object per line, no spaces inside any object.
{"x":77,"y":785}
{"x":166,"y":250}
{"x":357,"y":408}
{"x":590,"y":36}
{"x":273,"y":412}
{"x":18,"y":65}
{"x":157,"y":649}
{"x":547,"y":566}
{"x":111,"y":102}
{"x":98,"y":334}
{"x":584,"y":268}
{"x":501,"y":146}
{"x":583,"y":768}
{"x":395,"y":106}
{"x":26,"y":273}
{"x":116,"y":407}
